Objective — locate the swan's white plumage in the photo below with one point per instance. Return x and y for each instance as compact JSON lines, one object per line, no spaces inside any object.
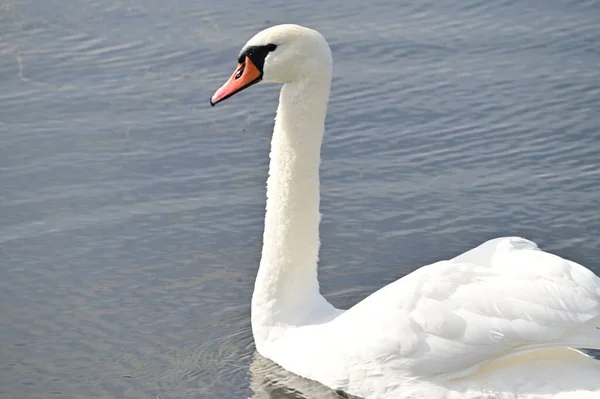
{"x":496,"y":321}
{"x":449,"y":319}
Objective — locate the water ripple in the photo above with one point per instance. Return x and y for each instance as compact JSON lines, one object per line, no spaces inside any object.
{"x":131,"y":212}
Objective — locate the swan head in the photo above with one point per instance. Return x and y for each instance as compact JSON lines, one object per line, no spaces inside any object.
{"x":282,"y":54}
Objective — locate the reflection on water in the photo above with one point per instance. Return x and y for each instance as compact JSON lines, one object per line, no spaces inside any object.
{"x":131,"y":211}
{"x":270,"y":381}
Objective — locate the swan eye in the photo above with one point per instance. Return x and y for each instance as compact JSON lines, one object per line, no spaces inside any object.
{"x":257,"y":54}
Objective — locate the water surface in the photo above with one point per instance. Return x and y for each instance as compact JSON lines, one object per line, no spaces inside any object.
{"x":131,"y":211}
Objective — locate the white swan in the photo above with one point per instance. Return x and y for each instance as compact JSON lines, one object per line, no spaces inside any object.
{"x":497,"y":321}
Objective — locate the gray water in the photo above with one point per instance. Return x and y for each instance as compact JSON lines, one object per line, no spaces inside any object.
{"x":131,"y":211}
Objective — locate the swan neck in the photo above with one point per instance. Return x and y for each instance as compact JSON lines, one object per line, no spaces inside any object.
{"x":287,"y":290}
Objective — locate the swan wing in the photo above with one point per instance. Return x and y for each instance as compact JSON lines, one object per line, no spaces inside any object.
{"x":501,"y":299}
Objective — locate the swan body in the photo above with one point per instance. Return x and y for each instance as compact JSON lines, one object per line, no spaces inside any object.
{"x":498,"y":321}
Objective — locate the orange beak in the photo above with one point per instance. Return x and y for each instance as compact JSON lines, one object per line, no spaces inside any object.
{"x":245,"y":75}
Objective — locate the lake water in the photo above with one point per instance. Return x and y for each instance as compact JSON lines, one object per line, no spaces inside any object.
{"x":131,"y":211}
